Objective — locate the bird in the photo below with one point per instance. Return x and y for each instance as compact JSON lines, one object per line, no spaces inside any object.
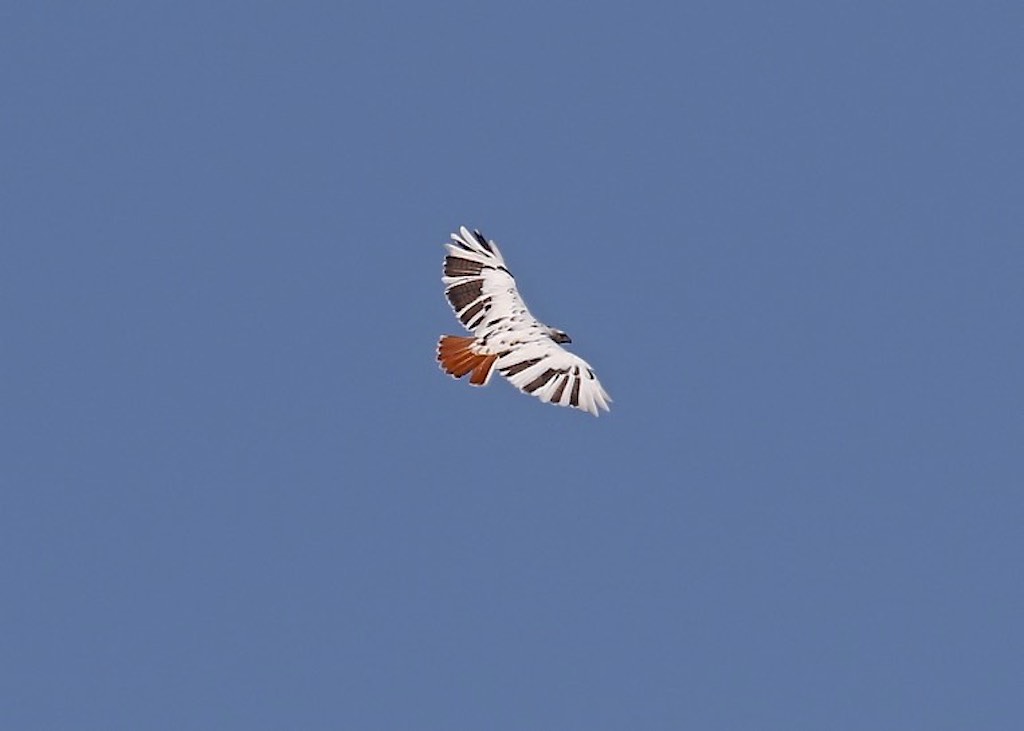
{"x":505,"y":337}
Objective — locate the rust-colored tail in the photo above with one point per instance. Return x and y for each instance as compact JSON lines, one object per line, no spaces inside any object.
{"x":457,"y":358}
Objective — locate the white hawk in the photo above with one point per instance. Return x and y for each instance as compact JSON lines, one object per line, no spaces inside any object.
{"x":506,"y":337}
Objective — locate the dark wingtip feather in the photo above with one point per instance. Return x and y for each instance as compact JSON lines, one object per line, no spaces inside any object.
{"x":482,"y":240}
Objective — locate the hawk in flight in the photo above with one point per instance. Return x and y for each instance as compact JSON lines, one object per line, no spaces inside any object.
{"x":506,"y":337}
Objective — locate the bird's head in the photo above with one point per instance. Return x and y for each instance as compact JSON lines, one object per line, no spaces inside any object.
{"x":558,"y":336}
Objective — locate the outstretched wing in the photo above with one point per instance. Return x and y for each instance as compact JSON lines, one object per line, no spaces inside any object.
{"x":479,"y":287}
{"x":548,"y":371}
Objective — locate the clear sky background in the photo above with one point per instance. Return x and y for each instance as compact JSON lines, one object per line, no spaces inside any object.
{"x":237,"y":492}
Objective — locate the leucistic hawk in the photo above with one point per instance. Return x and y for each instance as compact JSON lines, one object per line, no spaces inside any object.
{"x":506,"y":337}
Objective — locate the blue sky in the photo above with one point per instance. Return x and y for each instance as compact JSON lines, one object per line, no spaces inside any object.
{"x":239,"y":494}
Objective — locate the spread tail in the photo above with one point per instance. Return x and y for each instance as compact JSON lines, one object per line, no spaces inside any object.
{"x":456,"y":356}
